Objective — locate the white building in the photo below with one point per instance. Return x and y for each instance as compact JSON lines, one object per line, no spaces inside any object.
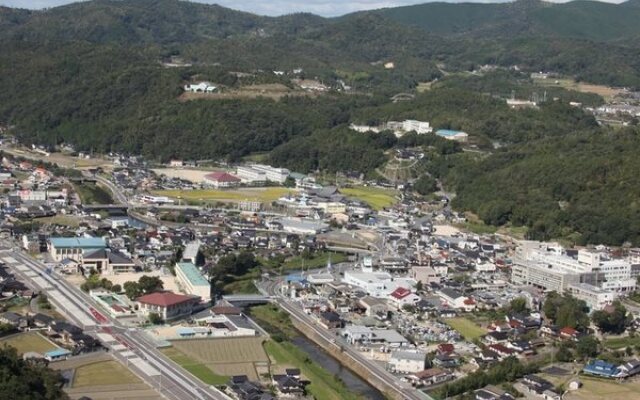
{"x":406,"y":362}
{"x":420,"y":127}
{"x":255,"y":173}
{"x":595,"y":297}
{"x":376,"y":284}
{"x":192,"y":282}
{"x":201,"y":87}
{"x":550,"y":268}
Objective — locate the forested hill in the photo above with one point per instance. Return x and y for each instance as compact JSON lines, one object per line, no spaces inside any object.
{"x":576,"y":19}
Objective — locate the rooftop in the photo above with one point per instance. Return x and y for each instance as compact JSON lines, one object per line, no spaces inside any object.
{"x":165,"y":299}
{"x":77,"y":242}
{"x":192,"y":274}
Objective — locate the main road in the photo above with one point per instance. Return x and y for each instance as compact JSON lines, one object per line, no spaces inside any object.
{"x":128,"y":345}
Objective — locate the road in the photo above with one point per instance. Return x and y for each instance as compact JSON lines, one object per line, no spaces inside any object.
{"x":375,"y":370}
{"x":129,"y":346}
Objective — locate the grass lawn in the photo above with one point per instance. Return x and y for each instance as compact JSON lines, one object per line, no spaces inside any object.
{"x":103,"y":373}
{"x":621,"y":343}
{"x":600,"y":389}
{"x":265,"y":195}
{"x":324,"y":385}
{"x":466,"y":328}
{"x":66,"y":220}
{"x":273,"y":316}
{"x":91,"y":193}
{"x":377,"y":198}
{"x":319,"y":260}
{"x":197,"y":369}
{"x":30,"y":341}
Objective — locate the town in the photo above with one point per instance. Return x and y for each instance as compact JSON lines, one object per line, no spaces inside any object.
{"x":190,"y":282}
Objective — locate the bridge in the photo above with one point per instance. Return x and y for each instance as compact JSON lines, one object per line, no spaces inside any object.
{"x":243,"y":300}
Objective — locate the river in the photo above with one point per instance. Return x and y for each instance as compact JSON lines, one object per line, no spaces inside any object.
{"x":351,"y":380}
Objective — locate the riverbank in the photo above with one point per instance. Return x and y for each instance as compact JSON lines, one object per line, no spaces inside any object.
{"x":288,"y":347}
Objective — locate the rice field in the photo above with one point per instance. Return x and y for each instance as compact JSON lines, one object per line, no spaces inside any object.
{"x":377,"y":198}
{"x":264,"y":195}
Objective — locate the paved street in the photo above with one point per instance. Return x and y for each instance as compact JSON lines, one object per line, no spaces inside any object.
{"x":129,"y":346}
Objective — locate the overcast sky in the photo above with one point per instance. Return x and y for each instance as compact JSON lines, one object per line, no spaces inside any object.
{"x":328,"y":8}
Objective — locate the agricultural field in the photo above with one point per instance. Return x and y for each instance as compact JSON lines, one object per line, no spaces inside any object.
{"x":265,"y":195}
{"x":198,"y":369}
{"x":466,"y":328}
{"x":29,"y":341}
{"x":622,"y":342}
{"x":224,"y":357}
{"x":103,"y":373}
{"x":377,"y":198}
{"x":600,"y":389}
{"x":605,"y":91}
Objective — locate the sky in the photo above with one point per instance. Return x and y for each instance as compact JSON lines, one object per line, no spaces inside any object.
{"x":327,"y":8}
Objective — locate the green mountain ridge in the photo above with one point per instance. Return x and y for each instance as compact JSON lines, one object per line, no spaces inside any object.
{"x":576,"y":19}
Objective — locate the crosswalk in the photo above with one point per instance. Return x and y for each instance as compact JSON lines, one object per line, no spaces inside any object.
{"x":128,"y":355}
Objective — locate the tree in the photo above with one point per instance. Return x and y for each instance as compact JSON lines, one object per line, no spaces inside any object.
{"x":425,"y":185}
{"x":614,"y":321}
{"x":289,"y":182}
{"x":116,"y":288}
{"x":518,"y":305}
{"x":564,"y":354}
{"x":566,"y":311}
{"x":587,"y":346}
{"x":150,"y":284}
{"x":132,"y":290}
{"x":419,"y":286}
{"x":155,"y":319}
{"x":23,"y":379}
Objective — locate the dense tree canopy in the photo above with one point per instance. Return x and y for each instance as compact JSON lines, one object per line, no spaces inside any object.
{"x":614,"y":321}
{"x":25,"y":380}
{"x":565,"y":311}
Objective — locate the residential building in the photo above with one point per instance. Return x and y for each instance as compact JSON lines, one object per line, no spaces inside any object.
{"x":601,"y":368}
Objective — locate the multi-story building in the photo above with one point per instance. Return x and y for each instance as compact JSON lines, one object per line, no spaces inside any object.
{"x":191,"y":281}
{"x":255,"y":173}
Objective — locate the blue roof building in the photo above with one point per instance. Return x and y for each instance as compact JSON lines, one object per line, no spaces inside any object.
{"x":601,"y":368}
{"x":58,"y":354}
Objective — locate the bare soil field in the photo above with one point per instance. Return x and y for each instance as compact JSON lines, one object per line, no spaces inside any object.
{"x":273,"y":91}
{"x":191,"y":175}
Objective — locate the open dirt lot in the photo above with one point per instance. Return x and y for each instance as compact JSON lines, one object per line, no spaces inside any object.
{"x":273,"y":91}
{"x":189,"y":174}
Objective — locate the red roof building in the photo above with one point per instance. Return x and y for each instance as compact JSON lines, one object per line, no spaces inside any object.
{"x":400,"y":293}
{"x":221,"y":180}
{"x":168,"y":305}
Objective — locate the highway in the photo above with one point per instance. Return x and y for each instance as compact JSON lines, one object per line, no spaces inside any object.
{"x":128,"y":345}
{"x":377,"y":371}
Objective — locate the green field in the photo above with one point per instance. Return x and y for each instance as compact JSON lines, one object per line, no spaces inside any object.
{"x":265,"y":195}
{"x":600,"y":389}
{"x":377,"y":198}
{"x":103,"y":373}
{"x":466,"y":328}
{"x":319,"y":260}
{"x":324,"y":385}
{"x":90,"y":193}
{"x":30,"y":341}
{"x":621,"y":343}
{"x":199,"y":370}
